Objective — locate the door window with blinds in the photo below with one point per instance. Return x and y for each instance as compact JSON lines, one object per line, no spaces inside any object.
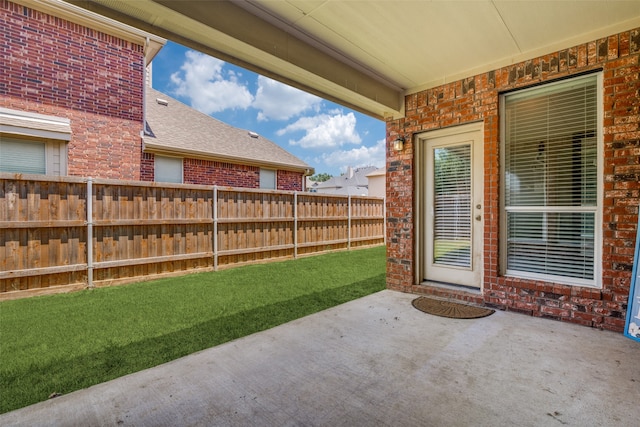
{"x":550,"y":151}
{"x":452,"y":206}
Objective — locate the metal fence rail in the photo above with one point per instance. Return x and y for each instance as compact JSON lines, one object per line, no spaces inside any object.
{"x":139,"y":230}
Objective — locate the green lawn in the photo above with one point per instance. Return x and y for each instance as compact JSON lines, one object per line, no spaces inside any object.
{"x":443,"y":247}
{"x":61,"y":343}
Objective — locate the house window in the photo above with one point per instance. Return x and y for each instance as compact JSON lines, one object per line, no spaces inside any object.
{"x":22,"y":156}
{"x":28,"y":156}
{"x":268,"y":179}
{"x":168,"y":169}
{"x":551,"y":227}
{"x":33,"y":143}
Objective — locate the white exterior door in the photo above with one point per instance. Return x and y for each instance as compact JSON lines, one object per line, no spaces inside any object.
{"x":453,"y":206}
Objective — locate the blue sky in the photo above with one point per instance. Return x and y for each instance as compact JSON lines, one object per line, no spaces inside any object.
{"x":325,"y":135}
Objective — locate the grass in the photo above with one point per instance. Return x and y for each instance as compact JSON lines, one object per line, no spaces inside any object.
{"x":61,"y":343}
{"x":443,"y":247}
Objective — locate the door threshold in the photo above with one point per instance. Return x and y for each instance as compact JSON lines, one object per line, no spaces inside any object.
{"x":451,"y":292}
{"x":451,"y":287}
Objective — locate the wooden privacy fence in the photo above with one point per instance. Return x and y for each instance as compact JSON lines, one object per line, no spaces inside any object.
{"x":141,"y":230}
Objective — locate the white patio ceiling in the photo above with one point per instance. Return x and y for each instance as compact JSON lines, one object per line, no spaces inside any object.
{"x":368,"y":54}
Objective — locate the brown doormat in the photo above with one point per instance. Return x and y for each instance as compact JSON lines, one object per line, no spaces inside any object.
{"x":450,"y":309}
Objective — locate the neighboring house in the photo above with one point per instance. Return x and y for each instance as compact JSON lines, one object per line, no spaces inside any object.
{"x":71,"y":93}
{"x":377,"y":182}
{"x":184,"y":145}
{"x":354,"y":183}
{"x":72,"y":102}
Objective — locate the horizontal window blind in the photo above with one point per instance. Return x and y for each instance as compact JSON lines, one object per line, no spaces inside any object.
{"x":268,"y":179}
{"x":550,"y":177}
{"x":452,"y":206}
{"x":552,"y":243}
{"x":21,"y":156}
{"x":168,"y":169}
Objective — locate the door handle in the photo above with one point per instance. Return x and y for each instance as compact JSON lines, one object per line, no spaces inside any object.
{"x":478,"y":217}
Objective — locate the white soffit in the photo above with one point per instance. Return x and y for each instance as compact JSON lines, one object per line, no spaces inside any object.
{"x":420,"y":44}
{"x":225,"y":30}
{"x":368,"y":54}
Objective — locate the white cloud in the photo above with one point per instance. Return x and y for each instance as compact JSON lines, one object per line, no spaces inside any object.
{"x":278,"y":101}
{"x":324,"y":131}
{"x":356,"y":157}
{"x":202,"y":80}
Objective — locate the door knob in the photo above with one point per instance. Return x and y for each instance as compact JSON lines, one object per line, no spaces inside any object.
{"x":478,"y":217}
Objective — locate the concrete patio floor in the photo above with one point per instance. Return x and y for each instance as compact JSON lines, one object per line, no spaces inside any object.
{"x":376,"y":361}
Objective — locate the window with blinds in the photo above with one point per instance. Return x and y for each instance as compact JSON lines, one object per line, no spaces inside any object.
{"x":22,"y":156}
{"x":550,"y":174}
{"x":168,"y":169}
{"x":268,"y":179}
{"x":452,"y":206}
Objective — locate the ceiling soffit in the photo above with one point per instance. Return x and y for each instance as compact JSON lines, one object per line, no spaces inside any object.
{"x":367,"y":55}
{"x":223,"y":29}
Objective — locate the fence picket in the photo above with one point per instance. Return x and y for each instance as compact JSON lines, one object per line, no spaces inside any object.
{"x":61,"y":232}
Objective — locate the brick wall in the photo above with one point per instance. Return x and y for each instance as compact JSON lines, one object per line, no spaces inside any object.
{"x":476,"y":98}
{"x":289,"y":180}
{"x":55,"y":67}
{"x":147,"y":171}
{"x":207,"y":172}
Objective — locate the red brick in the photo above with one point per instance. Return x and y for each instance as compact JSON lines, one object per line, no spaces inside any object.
{"x":621,"y":106}
{"x":68,"y":70}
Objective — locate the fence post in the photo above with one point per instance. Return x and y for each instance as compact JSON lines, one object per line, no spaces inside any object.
{"x":295,"y":224}
{"x":349,"y":223}
{"x":215,"y":227}
{"x":90,"y":232}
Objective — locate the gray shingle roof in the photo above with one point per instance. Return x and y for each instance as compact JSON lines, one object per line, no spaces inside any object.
{"x":354,"y":182}
{"x":175,"y":128}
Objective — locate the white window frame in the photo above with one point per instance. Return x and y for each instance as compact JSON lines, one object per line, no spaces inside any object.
{"x":268,"y":173}
{"x":162,"y":161}
{"x":596,"y":282}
